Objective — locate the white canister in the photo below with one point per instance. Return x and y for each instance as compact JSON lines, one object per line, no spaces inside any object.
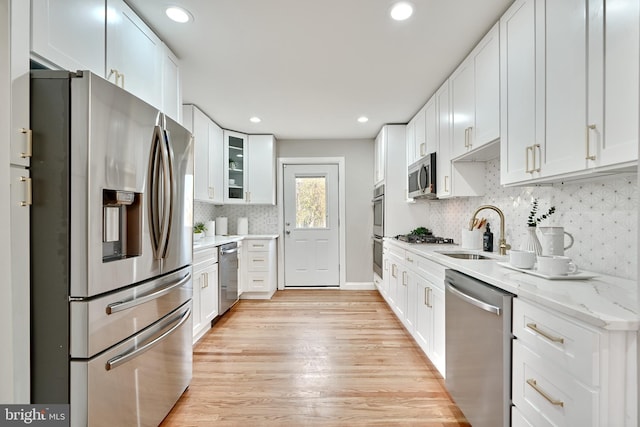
{"x":210,"y":228}
{"x":243,"y":226}
{"x":471,"y":239}
{"x":221,"y":226}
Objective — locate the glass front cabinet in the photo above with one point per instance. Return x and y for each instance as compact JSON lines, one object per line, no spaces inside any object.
{"x":235,"y":159}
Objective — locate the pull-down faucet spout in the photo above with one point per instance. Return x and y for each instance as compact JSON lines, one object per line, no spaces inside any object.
{"x":502,"y":242}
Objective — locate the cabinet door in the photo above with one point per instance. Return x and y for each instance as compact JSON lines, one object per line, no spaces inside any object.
{"x":411,"y":141}
{"x":261,"y":170}
{"x":402,"y":294}
{"x":209,"y":294}
{"x":216,"y":163}
{"x":431,"y":127}
{"x":487,"y":90}
{"x":18,"y":45}
{"x":200,"y":132}
{"x":171,"y":90}
{"x":198,"y":283}
{"x":437,"y":355}
{"x":565,"y":70}
{"x":423,"y":315}
{"x":379,"y":156}
{"x":235,"y":162}
{"x":412,"y":301}
{"x":614,"y":107}
{"x":443,"y":186}
{"x":69,"y":34}
{"x":462,"y":107}
{"x":420,"y":144}
{"x":134,"y":54}
{"x":520,"y":127}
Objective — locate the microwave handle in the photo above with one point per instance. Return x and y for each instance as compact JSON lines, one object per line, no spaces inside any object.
{"x":420,"y":169}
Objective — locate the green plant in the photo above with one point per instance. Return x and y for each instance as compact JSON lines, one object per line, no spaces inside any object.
{"x":420,"y":231}
{"x":532,"y":220}
{"x":199,"y":227}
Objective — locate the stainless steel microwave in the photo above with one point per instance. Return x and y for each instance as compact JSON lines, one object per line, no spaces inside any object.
{"x":422,"y":178}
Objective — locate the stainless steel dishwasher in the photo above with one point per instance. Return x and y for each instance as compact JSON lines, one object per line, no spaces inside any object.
{"x":227,"y":277}
{"x":478,"y":349}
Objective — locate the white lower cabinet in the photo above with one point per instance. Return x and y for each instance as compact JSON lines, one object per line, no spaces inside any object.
{"x":566,"y":373}
{"x":205,"y":290}
{"x":259,"y":269}
{"x":414,"y":289}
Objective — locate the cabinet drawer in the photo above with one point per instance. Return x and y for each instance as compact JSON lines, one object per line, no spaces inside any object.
{"x":257,"y":282}
{"x":205,"y":257}
{"x":257,"y":261}
{"x":573,"y":348}
{"x":431,"y":270}
{"x":517,"y":419}
{"x":258,"y":245}
{"x":547,"y":395}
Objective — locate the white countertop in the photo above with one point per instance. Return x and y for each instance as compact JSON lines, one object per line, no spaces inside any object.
{"x":607,"y":302}
{"x":209,"y":242}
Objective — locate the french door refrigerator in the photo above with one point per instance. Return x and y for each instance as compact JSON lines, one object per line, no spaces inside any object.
{"x":111,"y":239}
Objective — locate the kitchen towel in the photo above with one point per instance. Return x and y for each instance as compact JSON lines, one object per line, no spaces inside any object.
{"x":243,"y":226}
{"x":210,"y":228}
{"x":221,"y":226}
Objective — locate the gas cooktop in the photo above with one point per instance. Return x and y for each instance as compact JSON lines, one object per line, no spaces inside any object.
{"x":424,"y":238}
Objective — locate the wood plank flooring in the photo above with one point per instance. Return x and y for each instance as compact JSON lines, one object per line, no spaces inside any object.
{"x":313,"y":358}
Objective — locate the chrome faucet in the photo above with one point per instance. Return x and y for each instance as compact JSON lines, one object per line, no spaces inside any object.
{"x":502,"y":242}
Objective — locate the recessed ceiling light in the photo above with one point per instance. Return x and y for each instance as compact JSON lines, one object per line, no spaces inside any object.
{"x":363,"y":119}
{"x":401,"y":11}
{"x":178,"y":14}
{"x":255,"y":119}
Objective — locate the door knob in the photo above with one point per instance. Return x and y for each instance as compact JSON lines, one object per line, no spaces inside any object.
{"x":288,"y":232}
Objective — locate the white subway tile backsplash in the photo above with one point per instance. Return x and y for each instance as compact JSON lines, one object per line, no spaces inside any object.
{"x":263,"y":219}
{"x":601,"y":215}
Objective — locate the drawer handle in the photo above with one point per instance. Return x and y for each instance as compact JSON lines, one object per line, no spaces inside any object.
{"x":544,"y":394}
{"x":534,"y":328}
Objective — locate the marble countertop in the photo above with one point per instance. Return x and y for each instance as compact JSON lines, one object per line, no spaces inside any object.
{"x":209,"y":242}
{"x":606,"y":302}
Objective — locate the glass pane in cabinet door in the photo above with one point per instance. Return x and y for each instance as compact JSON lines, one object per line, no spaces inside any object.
{"x":236,"y":168}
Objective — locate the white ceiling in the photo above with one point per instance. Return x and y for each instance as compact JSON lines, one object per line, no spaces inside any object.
{"x":310,"y":68}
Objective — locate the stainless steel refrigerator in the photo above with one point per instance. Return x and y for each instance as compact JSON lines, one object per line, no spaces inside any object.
{"x":111,"y":239}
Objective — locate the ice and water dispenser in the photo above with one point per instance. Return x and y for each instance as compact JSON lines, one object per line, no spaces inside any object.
{"x":121,"y":225}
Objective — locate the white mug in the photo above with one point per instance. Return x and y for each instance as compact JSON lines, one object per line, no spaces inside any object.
{"x":471,"y":239}
{"x":553,"y":240}
{"x":554,"y":265}
{"x":522,"y":259}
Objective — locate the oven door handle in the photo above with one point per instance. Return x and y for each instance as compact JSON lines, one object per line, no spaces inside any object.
{"x":124,"y":358}
{"x":123,"y":305}
{"x":473,"y":301}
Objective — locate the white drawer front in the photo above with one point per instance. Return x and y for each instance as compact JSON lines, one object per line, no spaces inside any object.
{"x":432,"y":271}
{"x":258,"y":245}
{"x":205,"y":255}
{"x":572,"y":347}
{"x":547,"y":396}
{"x":257,"y":282}
{"x":258,"y":261}
{"x":517,"y":419}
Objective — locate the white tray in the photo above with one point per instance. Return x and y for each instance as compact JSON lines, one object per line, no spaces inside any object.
{"x":580,"y":275}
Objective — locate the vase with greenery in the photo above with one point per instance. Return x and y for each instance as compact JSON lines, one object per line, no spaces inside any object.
{"x":198,"y":230}
{"x":533,"y":243}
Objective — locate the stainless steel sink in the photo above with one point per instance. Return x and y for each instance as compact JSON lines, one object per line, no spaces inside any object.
{"x":464,"y":255}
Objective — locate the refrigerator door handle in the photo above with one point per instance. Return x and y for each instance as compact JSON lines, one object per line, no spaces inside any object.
{"x":154,"y":193}
{"x":157,"y":293}
{"x":160,"y":181}
{"x":126,"y":357}
{"x":169,"y":180}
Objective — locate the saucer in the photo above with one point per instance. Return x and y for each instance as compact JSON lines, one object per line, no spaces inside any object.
{"x":578,"y":275}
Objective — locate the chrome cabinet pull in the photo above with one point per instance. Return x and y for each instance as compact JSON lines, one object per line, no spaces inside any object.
{"x":429,"y":292}
{"x":404,"y":278}
{"x":29,"y":151}
{"x":589,"y":156}
{"x":394,"y":271}
{"x":543,"y":393}
{"x":423,"y":152}
{"x":535,"y":328}
{"x":466,"y":137}
{"x":470,"y":144}
{"x":446,"y":178}
{"x":28,"y":193}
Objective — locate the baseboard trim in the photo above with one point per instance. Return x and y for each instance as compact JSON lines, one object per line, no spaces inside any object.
{"x":358,"y":286}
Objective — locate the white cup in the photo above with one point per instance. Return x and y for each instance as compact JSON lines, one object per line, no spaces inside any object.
{"x":554,"y":265}
{"x":522,"y":259}
{"x":471,"y":239}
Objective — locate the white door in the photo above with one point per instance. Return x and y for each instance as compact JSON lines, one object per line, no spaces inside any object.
{"x":311,"y":237}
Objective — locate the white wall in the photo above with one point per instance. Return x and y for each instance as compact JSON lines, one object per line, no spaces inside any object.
{"x":358,"y":155}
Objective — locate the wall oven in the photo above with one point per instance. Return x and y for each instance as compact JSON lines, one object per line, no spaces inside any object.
{"x":422,"y":178}
{"x":378,"y":227}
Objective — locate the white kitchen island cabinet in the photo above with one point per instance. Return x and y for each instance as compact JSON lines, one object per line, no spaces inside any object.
{"x":569,"y":87}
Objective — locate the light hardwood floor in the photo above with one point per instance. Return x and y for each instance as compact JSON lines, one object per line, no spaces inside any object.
{"x":313,"y":358}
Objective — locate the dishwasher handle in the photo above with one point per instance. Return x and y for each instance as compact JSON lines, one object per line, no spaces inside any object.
{"x":228,"y":251}
{"x":474,"y":301}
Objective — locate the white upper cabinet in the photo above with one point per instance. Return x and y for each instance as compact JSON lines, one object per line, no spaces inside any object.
{"x":379,"y":154}
{"x":420,"y":143}
{"x":261,"y":170}
{"x":69,"y":34}
{"x":171,"y":85}
{"x":475,"y":97}
{"x":207,"y":155}
{"x":134,"y":54}
{"x":235,"y":165}
{"x":431,"y":128}
{"x":410,"y":138}
{"x":569,"y":88}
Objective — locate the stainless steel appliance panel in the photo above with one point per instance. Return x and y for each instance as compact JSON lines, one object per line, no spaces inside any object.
{"x":227,"y":277}
{"x":102,"y":322}
{"x":137,"y":382}
{"x":180,"y":243}
{"x":377,"y":255}
{"x":378,"y":211}
{"x":478,"y":349}
{"x":111,"y":136}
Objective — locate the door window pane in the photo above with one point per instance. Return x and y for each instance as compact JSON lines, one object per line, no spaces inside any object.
{"x":311,"y":202}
